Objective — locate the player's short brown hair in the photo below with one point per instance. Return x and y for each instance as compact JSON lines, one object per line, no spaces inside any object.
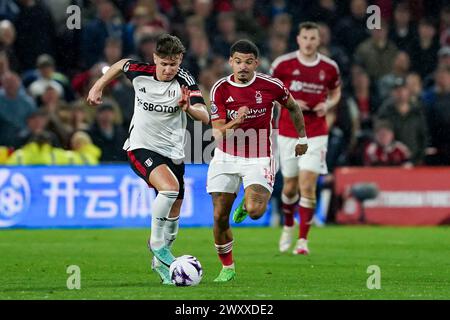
{"x":308,"y":25}
{"x":168,"y":46}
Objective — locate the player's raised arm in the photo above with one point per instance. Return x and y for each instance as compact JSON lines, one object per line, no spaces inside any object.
{"x":197,"y":111}
{"x":95,"y":94}
{"x":299,"y":123}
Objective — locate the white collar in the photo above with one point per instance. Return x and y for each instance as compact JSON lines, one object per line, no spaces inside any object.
{"x":306,"y":63}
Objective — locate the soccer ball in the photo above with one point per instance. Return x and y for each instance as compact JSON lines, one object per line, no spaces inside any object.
{"x":186,"y":271}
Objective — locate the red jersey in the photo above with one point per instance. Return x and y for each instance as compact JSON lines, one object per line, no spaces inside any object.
{"x":252,"y":139}
{"x":393,"y":155}
{"x":309,"y":82}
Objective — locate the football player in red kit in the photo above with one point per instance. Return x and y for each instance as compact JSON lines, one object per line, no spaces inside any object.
{"x":241,"y":114}
{"x":314,"y":81}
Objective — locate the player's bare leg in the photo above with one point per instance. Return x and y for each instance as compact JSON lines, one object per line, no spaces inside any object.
{"x":254,"y":203}
{"x":289,"y":202}
{"x":223,"y":237}
{"x":307,"y":183}
{"x":256,"y":199}
{"x":163,"y":179}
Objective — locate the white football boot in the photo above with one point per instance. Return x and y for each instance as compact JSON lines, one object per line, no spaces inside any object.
{"x":301,"y":247}
{"x":286,"y":238}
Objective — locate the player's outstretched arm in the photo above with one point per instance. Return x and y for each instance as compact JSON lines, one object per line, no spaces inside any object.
{"x":299,"y":123}
{"x":95,"y":94}
{"x":197,"y":111}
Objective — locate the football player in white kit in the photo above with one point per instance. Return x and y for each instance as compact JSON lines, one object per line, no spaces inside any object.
{"x":164,"y":94}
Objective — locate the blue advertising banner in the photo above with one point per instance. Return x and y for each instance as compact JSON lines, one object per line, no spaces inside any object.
{"x":95,"y":196}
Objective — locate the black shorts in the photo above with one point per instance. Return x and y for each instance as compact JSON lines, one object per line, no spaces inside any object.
{"x":143,"y":161}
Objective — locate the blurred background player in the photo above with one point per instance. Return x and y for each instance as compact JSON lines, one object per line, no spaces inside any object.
{"x":314,"y":82}
{"x":241,"y":111}
{"x":164,"y":93}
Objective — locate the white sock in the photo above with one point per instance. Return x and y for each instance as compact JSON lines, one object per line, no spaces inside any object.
{"x":171,"y":230}
{"x":160,"y":211}
{"x":286,"y":200}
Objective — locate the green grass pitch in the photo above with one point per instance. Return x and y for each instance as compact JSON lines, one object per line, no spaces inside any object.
{"x":115,"y":264}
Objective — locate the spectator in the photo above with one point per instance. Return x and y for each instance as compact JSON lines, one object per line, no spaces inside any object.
{"x":377,"y":53}
{"x":324,"y":11}
{"x":204,"y":9}
{"x":361,"y":101}
{"x":123,"y":93}
{"x":445,"y":26}
{"x":15,"y":104}
{"x":142,"y":17}
{"x":147,"y":46}
{"x":438,"y":116}
{"x":36,"y":32}
{"x":84,"y":152}
{"x":39,"y":151}
{"x":108,"y":24}
{"x":424,"y":50}
{"x":207,"y":79}
{"x":385,"y":151}
{"x":415,"y":87}
{"x":198,"y":56}
{"x":408,"y":121}
{"x":52,"y":105}
{"x":4,"y":64}
{"x":9,"y":10}
{"x":7,"y":40}
{"x":194,"y":25}
{"x":4,"y":154}
{"x":352,"y":30}
{"x":336,"y":52}
{"x":107,"y":135}
{"x":45,"y":75}
{"x":227,"y":34}
{"x":113,"y":51}
{"x":444,"y":56}
{"x":73,"y":118}
{"x":282,"y":24}
{"x":403,"y":30}
{"x":178,"y":17}
{"x":400,"y":69}
{"x":37,"y":123}
{"x":248,"y":21}
{"x":277,"y":45}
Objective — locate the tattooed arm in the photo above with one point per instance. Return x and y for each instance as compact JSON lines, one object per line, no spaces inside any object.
{"x":299,"y":123}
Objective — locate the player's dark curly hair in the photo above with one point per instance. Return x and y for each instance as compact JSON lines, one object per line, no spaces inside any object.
{"x":244,"y":46}
{"x":169,"y":46}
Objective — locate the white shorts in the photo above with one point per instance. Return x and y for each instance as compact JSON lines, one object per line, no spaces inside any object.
{"x":313,"y":160}
{"x":226,"y":172}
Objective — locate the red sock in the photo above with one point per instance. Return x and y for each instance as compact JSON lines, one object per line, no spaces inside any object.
{"x":288,"y":207}
{"x":307,"y":207}
{"x":288,"y":210}
{"x":225,"y":252}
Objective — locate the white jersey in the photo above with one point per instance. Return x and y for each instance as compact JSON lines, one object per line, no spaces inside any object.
{"x":158,"y":123}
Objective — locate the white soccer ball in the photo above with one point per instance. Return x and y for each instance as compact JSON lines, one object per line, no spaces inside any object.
{"x":186,"y":271}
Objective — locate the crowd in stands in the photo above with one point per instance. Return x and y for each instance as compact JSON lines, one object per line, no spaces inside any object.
{"x":395,"y":108}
